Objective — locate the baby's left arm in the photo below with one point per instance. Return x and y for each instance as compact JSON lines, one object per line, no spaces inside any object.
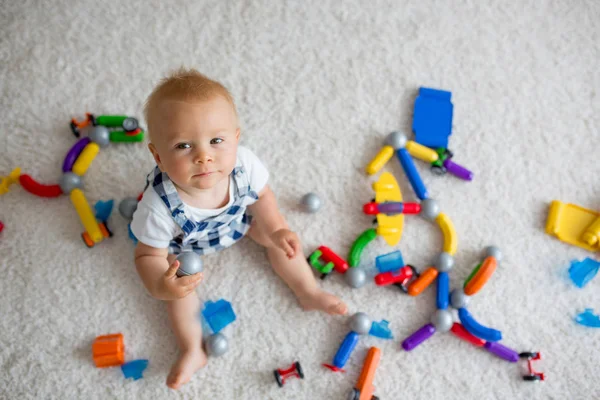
{"x":272,"y":222}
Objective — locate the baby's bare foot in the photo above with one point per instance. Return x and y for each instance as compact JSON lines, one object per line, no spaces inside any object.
{"x":322,"y":301}
{"x":183,"y":369}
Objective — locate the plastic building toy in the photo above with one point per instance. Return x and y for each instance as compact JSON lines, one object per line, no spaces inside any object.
{"x":344,"y":352}
{"x":108,"y":350}
{"x":282,"y":375}
{"x":432,"y":118}
{"x":356,"y":277}
{"x":391,"y":208}
{"x":445,"y":164}
{"x":218,"y":314}
{"x":533,"y":375}
{"x":380,"y":329}
{"x":364,"y":386}
{"x":325,"y":260}
{"x":588,"y":318}
{"x":190,"y":263}
{"x":310,"y":202}
{"x":569,"y":223}
{"x":103,"y":209}
{"x":1,"y":226}
{"x":76,"y":163}
{"x":399,"y":278}
{"x":502,"y":351}
{"x":127,"y":207}
{"x":134,"y":369}
{"x":389,"y":262}
{"x":216,"y":345}
{"x":592,"y":233}
{"x":359,"y":245}
{"x":581,"y":272}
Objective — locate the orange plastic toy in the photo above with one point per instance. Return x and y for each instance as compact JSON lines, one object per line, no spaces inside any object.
{"x":485,"y":272}
{"x":108,"y":350}
{"x":364,"y":386}
{"x":421,"y":283}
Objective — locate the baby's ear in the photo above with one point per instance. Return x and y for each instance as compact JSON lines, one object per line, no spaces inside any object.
{"x":155,"y":155}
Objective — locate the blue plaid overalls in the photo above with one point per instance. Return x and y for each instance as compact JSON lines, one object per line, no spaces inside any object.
{"x":213,"y":233}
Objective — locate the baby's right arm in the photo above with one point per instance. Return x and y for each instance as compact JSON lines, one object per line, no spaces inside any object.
{"x":159,"y":277}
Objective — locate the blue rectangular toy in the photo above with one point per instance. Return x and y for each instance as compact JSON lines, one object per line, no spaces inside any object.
{"x":432,"y":119}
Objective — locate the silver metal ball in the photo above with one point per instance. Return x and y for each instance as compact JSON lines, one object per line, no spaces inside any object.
{"x":190,"y":263}
{"x":397,"y":140}
{"x":69,"y":181}
{"x":444,"y":262}
{"x":311,"y":203}
{"x":493,"y":251}
{"x":430,"y":209}
{"x":356,"y":277}
{"x":100,"y":135}
{"x":458,"y":299}
{"x":360,"y":323}
{"x":216,"y":345}
{"x":442,"y":320}
{"x":127,"y":207}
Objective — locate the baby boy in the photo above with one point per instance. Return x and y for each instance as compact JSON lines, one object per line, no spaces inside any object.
{"x":204,"y":195}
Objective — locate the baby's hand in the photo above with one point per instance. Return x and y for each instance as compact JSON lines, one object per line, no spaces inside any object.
{"x":179,"y":287}
{"x":287,"y":241}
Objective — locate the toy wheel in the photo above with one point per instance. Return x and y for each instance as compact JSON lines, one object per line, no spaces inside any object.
{"x":402,"y":287}
{"x":278,"y":378}
{"x":92,"y":119}
{"x":299,"y":369}
{"x":87,"y":240}
{"x":374,"y":221}
{"x":414,"y":270}
{"x":448,"y":153}
{"x":323,"y":276}
{"x":531,"y":378}
{"x":74,"y":129}
{"x":130,"y":124}
{"x":438,"y":170}
{"x":354,"y":395}
{"x":528,"y":354}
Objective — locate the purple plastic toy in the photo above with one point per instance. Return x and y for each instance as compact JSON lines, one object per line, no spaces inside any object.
{"x":418,"y":337}
{"x":458,"y":170}
{"x":502,"y":351}
{"x":73,"y":153}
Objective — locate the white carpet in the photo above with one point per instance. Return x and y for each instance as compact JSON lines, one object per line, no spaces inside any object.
{"x":319,"y":85}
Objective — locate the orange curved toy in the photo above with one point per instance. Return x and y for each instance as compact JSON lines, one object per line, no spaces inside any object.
{"x":481,"y":277}
{"x":421,"y":283}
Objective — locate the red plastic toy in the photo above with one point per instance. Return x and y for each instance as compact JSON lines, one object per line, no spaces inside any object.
{"x":1,"y":226}
{"x":399,"y":278}
{"x":533,"y":375}
{"x":281,"y":375}
{"x":322,"y":259}
{"x":38,"y":189}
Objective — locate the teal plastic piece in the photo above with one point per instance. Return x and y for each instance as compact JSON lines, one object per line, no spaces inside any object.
{"x":381,"y":330}
{"x":588,"y":318}
{"x":103,"y":210}
{"x":581,"y":272}
{"x":389,"y":262}
{"x":218,"y":314}
{"x":134,"y":369}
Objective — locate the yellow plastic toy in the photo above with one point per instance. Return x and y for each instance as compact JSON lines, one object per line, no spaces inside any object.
{"x":592,"y":234}
{"x":450,"y":237}
{"x":85,"y":159}
{"x":6,"y":181}
{"x":421,"y":152}
{"x":384,"y":155}
{"x":569,"y":223}
{"x":88,"y":220}
{"x":388,"y":226}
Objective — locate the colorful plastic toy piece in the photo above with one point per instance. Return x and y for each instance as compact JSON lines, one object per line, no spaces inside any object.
{"x":421,"y":152}
{"x":310,"y":202}
{"x":569,"y":222}
{"x":127,"y":137}
{"x":380,"y":329}
{"x":1,"y":226}
{"x":364,"y":385}
{"x":592,"y":233}
{"x":282,"y":375}
{"x":391,"y":208}
{"x":38,"y":189}
{"x":432,"y":119}
{"x":443,"y":291}
{"x":412,"y":174}
{"x":480,"y":276}
{"x":458,"y":170}
{"x":533,"y":375}
{"x":190,"y":263}
{"x":134,"y":369}
{"x":325,"y":255}
{"x":449,"y":233}
{"x":418,"y":285}
{"x":476,"y":329}
{"x":83,"y":162}
{"x":502,"y":351}
{"x":216,"y":345}
{"x":356,"y":277}
{"x":344,"y":351}
{"x":108,"y":350}
{"x":399,"y":278}
{"x":103,"y":209}
{"x":418,"y":337}
{"x":384,"y":155}
{"x":389,"y":262}
{"x":588,"y":318}
{"x":460,"y":332}
{"x":359,"y":245}
{"x":77,"y":126}
{"x":388,"y":226}
{"x":93,"y":232}
{"x":8,"y":180}
{"x":581,"y":272}
{"x":218,"y":314}
{"x":73,"y":153}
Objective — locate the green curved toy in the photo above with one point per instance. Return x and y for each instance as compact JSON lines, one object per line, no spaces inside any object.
{"x":359,"y":244}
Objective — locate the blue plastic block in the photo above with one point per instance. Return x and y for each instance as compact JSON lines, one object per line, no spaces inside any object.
{"x":408,"y":165}
{"x":218,"y":314}
{"x":381,"y":330}
{"x":581,"y":272}
{"x":588,"y":318}
{"x":443,"y":290}
{"x":134,"y":369}
{"x":432,"y":119}
{"x":345,"y":350}
{"x":103,"y":209}
{"x":131,"y":235}
{"x":389,"y":262}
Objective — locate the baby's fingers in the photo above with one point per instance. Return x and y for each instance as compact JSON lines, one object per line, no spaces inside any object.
{"x":190,"y":281}
{"x":172,"y":269}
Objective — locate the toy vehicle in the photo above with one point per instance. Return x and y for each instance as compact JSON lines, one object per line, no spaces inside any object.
{"x":281,"y":375}
{"x":399,"y":278}
{"x":533,"y":375}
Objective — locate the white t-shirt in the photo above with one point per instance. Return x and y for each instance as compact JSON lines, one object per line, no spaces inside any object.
{"x":153,"y":224}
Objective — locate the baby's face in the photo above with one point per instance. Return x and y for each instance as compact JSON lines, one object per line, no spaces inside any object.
{"x":196,"y":143}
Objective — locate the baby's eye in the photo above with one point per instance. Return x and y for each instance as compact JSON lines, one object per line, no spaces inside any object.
{"x":182,"y":146}
{"x":216,"y":141}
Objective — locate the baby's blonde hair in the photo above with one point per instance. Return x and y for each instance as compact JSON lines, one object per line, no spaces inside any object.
{"x":184,"y":85}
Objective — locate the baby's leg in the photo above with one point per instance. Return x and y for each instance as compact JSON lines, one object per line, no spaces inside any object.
{"x":297,"y":274}
{"x":183,"y":314}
